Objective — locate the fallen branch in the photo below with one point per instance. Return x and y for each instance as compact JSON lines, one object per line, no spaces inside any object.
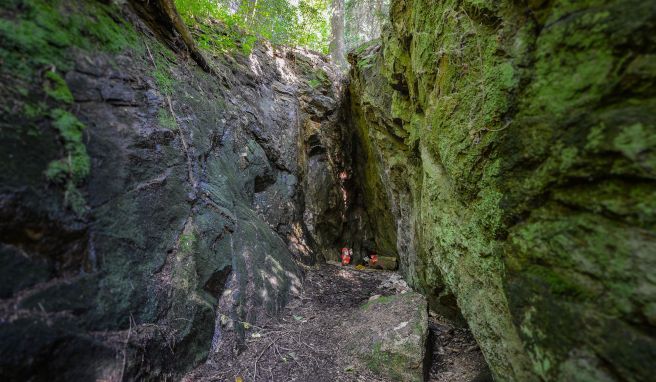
{"x":260,"y":356}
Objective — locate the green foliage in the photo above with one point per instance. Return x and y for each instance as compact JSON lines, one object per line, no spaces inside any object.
{"x":243,"y":23}
{"x":56,"y":87}
{"x":223,"y":40}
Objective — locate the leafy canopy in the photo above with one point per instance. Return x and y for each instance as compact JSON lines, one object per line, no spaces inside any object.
{"x":282,"y":22}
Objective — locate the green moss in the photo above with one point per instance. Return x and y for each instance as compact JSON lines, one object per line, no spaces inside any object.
{"x":57,"y":171}
{"x":634,"y":140}
{"x":392,"y":365}
{"x":578,"y":74}
{"x":379,"y":300}
{"x":163,"y":78}
{"x":56,"y":88}
{"x":39,"y":41}
{"x":77,"y":161}
{"x":314,"y":83}
{"x":33,"y":111}
{"x":73,"y":168}
{"x":44,"y":31}
{"x":74,"y":199}
{"x":536,"y":162}
{"x":558,"y":281}
{"x":166,"y":120}
{"x":187,"y":242}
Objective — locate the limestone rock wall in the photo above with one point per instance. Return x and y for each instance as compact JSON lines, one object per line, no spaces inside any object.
{"x":508,"y":152}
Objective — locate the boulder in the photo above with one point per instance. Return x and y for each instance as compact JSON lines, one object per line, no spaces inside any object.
{"x":389,"y":336}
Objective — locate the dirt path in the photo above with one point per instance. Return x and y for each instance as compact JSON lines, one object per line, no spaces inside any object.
{"x":306,"y":342}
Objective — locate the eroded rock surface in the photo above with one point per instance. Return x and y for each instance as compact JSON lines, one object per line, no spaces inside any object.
{"x":141,"y":198}
{"x":503,"y":151}
{"x":509,"y":160}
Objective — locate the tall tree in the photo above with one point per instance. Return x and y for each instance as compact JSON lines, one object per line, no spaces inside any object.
{"x":337,"y":37}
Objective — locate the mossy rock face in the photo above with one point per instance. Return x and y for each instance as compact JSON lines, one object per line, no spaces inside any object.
{"x":524,"y":135}
{"x":135,"y":189}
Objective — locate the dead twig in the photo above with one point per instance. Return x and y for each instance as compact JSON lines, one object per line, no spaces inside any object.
{"x":260,"y":356}
{"x":125,"y":350}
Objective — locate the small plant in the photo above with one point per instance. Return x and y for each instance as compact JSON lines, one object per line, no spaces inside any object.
{"x":76,"y":164}
{"x":34,"y":111}
{"x":74,"y":199}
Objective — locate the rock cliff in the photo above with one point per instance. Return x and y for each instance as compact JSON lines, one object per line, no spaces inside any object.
{"x":143,"y":200}
{"x":507,"y":150}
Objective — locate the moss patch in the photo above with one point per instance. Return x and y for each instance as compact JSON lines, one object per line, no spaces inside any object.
{"x":166,"y":120}
{"x":56,"y":88}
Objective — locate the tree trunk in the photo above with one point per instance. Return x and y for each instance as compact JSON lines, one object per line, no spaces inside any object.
{"x":164,"y":20}
{"x":337,"y":37}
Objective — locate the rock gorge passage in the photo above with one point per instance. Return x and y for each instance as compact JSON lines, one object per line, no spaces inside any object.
{"x":158,"y":197}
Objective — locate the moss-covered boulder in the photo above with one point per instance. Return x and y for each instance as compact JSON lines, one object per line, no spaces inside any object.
{"x":390,"y":336}
{"x":513,"y":144}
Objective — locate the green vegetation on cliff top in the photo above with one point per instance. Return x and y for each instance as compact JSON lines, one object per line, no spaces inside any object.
{"x":282,"y":22}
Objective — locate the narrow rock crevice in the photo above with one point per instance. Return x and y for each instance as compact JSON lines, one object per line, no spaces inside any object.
{"x":171,"y":212}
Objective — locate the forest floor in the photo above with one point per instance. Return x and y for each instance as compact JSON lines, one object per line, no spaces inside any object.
{"x":307,"y":341}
